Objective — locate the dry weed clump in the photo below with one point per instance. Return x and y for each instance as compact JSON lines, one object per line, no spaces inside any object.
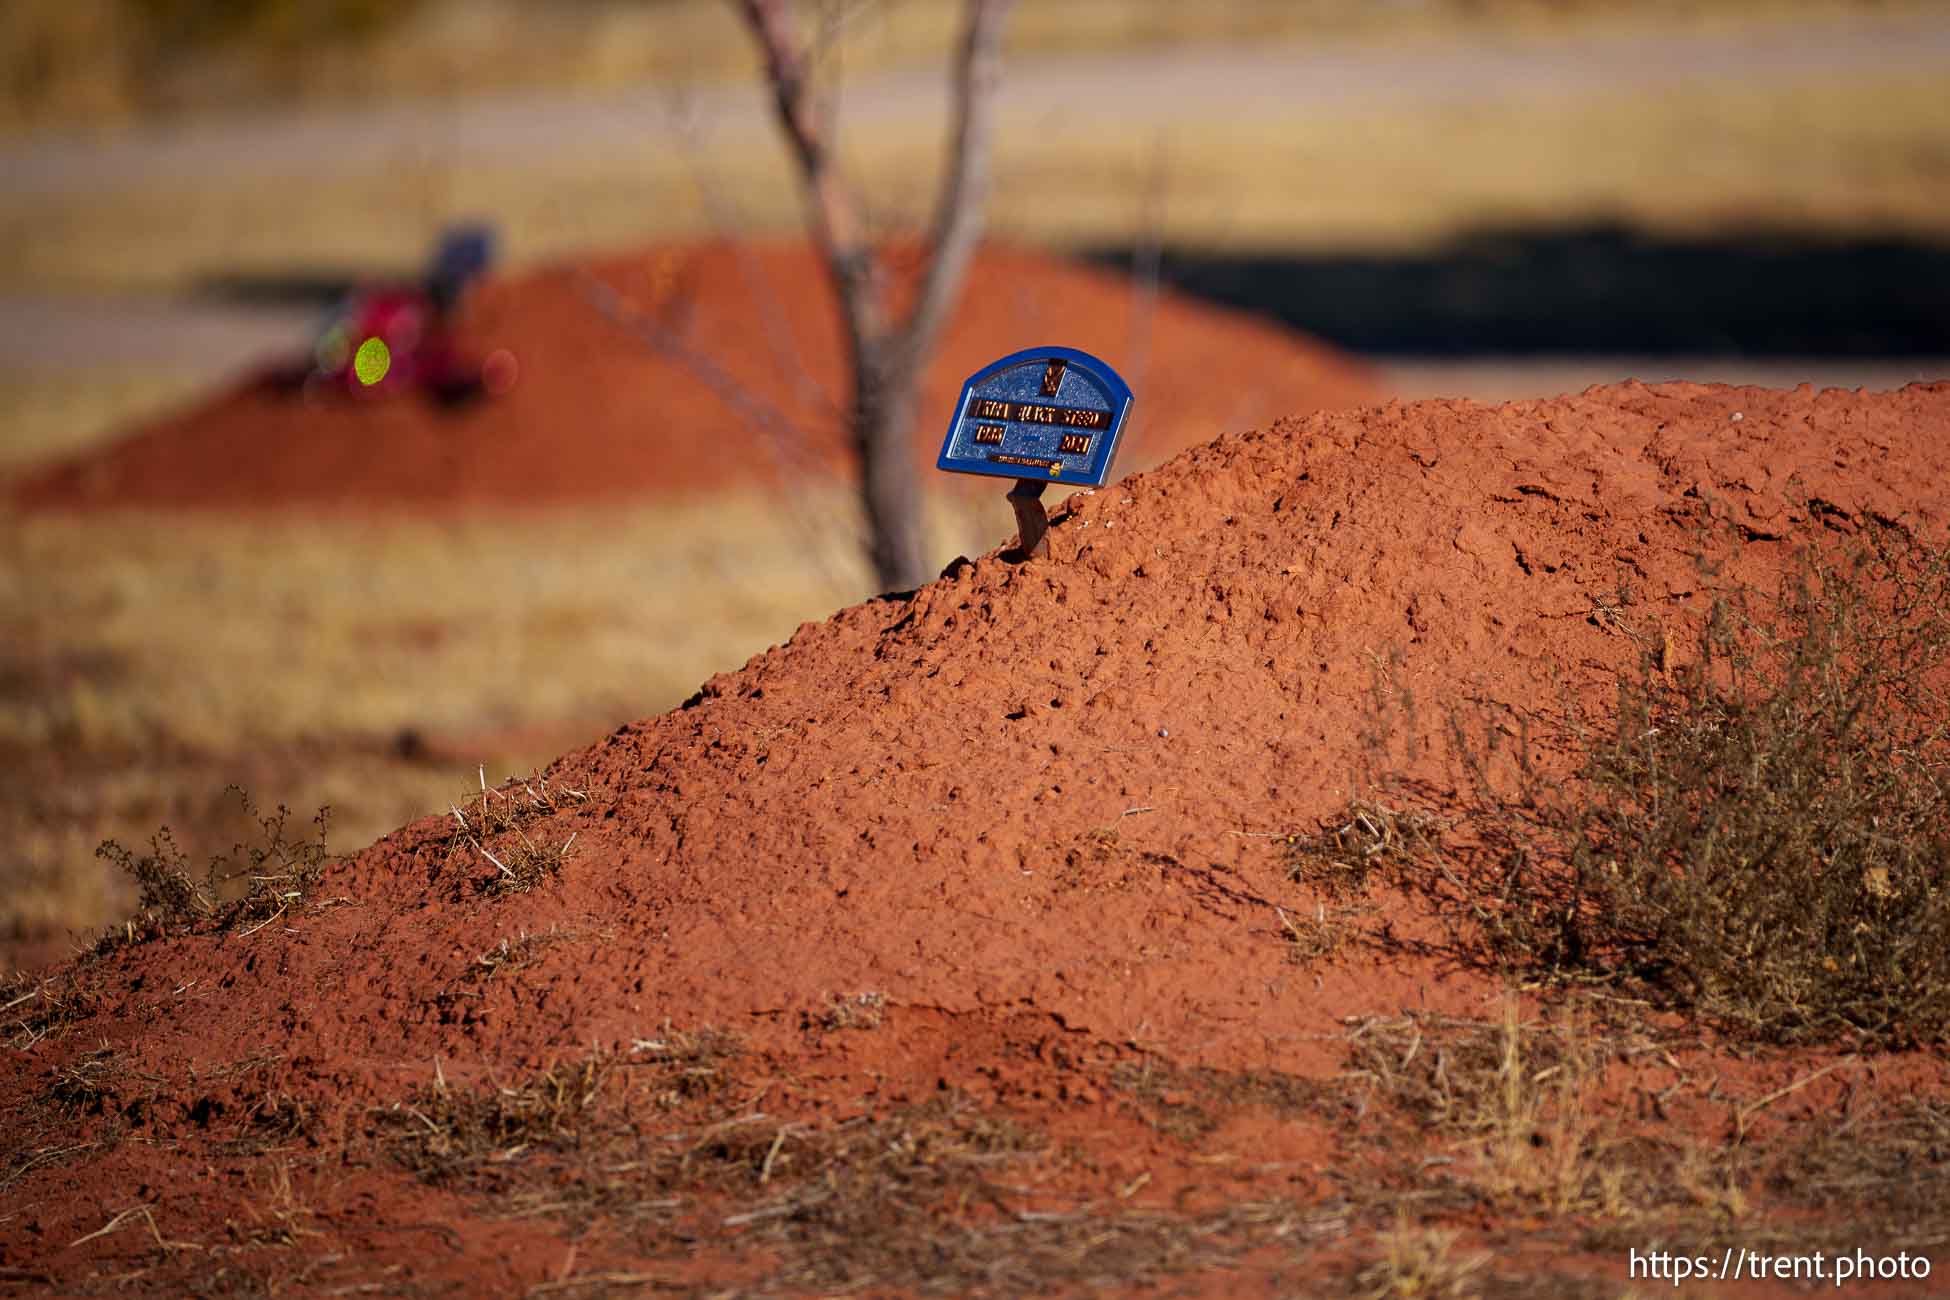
{"x":276,"y":1217}
{"x":275,"y":874}
{"x":1760,"y":836}
{"x":33,"y":1007}
{"x":498,"y":816}
{"x":663,"y":1144}
{"x":1765,"y":836}
{"x":442,"y":1132}
{"x":1370,"y":839}
{"x":1420,"y":1264}
{"x":1521,"y":1112}
{"x":847,"y":1011}
{"x":1344,"y":859}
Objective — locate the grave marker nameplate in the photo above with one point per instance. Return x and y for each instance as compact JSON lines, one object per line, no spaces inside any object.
{"x":1040,"y":416}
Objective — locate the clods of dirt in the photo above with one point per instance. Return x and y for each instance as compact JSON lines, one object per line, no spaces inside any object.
{"x":972,"y":913}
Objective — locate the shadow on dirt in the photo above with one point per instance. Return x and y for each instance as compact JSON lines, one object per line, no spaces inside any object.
{"x":1594,"y":290}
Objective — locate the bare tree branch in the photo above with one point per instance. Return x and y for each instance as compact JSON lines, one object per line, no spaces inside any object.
{"x":964,"y":183}
{"x":838,"y":226}
{"x":721,"y":211}
{"x":788,"y":445}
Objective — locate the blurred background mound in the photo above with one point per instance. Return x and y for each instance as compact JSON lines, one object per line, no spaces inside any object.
{"x":1252,"y":208}
{"x":686,"y":369}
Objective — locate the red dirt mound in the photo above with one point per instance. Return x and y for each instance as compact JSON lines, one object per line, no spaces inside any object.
{"x":1021,"y":821}
{"x":596,"y":412}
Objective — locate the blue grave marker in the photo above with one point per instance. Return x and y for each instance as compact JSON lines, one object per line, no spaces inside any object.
{"x":1047,"y":415}
{"x":1040,"y":416}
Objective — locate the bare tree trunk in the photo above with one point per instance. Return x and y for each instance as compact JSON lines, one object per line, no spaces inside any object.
{"x":887,"y":357}
{"x":890,"y":494}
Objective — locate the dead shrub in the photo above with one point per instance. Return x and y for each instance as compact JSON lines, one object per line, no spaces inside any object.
{"x":1761,"y":836}
{"x":275,"y":874}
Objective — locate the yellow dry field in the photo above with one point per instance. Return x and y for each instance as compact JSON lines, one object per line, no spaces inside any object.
{"x":46,"y":413}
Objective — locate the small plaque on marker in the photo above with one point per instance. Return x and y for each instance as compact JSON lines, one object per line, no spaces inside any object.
{"x":1049,"y":415}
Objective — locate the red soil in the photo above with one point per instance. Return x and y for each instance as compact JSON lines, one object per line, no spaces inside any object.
{"x":596,"y":412}
{"x":911,"y":799}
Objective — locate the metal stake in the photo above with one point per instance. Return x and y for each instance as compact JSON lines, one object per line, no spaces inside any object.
{"x":1032,"y":521}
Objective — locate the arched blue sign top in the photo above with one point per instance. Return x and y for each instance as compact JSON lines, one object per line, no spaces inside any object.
{"x":1043,"y":415}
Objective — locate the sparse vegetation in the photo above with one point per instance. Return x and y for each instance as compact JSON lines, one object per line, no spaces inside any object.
{"x":1420,"y":1264}
{"x":498,"y":817}
{"x":929,"y":1194}
{"x":1519,"y":1107}
{"x":1612,"y":1132}
{"x":35,"y":1007}
{"x":121,"y":711}
{"x":279,"y":1217}
{"x":849,"y":1011}
{"x":1764,"y":836}
{"x":442,"y":1133}
{"x":1760,"y":835}
{"x":1343,"y":861}
{"x":511,"y":955}
{"x":249,"y":887}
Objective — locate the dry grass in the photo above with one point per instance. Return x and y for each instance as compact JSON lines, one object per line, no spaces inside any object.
{"x":1368,"y":843}
{"x":495,"y":824}
{"x":1525,"y":1121}
{"x":443,"y":1133}
{"x":46,"y":413}
{"x":34,"y":1007}
{"x":1420,"y":1264}
{"x":1597,"y":1130}
{"x":1370,"y":839}
{"x":277,"y":1216}
{"x":1584,"y":1125}
{"x":665,"y":1144}
{"x":1820,"y":155}
{"x":239,"y":633}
